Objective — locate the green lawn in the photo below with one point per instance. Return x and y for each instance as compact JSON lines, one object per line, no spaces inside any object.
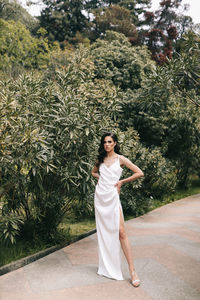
{"x":180,"y":194}
{"x":19,"y":250}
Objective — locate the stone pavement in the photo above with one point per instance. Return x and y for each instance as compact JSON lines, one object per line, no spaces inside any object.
{"x":166,"y":248}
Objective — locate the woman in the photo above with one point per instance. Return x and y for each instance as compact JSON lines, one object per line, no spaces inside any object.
{"x":108,"y":210}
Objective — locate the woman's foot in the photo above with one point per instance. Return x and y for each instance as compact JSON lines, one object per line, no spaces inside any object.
{"x":134,"y":279}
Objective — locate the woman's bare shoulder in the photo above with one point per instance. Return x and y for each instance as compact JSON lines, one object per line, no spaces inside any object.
{"x":123,"y":160}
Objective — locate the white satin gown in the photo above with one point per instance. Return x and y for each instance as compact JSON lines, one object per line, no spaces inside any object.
{"x":107,"y":214}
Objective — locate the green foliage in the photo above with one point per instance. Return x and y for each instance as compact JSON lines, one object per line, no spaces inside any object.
{"x":18,"y":49}
{"x":117,"y":61}
{"x":167,"y":116}
{"x":159,"y":176}
{"x":12,"y":10}
{"x":185,"y":68}
{"x":51,"y":123}
{"x":135,"y":8}
{"x":63,"y":19}
{"x":49,"y":144}
{"x":114,"y":18}
{"x":10,"y":253}
{"x":9,"y":228}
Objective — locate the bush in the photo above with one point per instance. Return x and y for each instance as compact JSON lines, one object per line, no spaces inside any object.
{"x":19,"y":50}
{"x":159,"y":176}
{"x":165,"y":117}
{"x":116,"y":60}
{"x":10,"y":228}
{"x":49,"y":133}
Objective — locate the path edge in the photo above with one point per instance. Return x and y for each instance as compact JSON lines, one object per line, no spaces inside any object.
{"x":31,"y":258}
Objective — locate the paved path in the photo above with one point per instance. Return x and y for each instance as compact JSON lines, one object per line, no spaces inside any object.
{"x":166,"y":247}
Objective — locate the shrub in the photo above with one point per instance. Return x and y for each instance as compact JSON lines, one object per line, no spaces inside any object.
{"x":49,"y":132}
{"x":115,"y":59}
{"x":18,"y":49}
{"x":10,"y":228}
{"x":159,"y":175}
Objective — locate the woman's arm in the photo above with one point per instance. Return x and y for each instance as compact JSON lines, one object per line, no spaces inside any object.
{"x":137,"y":172}
{"x":95,"y":172}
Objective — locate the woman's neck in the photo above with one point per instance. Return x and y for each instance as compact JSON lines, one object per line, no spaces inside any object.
{"x":110,"y":154}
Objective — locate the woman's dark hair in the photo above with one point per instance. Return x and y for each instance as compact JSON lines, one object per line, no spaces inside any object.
{"x":101,"y":150}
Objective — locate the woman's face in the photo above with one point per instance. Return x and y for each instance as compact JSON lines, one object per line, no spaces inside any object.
{"x":109,"y":144}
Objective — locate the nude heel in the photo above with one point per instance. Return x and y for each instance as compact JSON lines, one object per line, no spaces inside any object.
{"x":135,"y":282}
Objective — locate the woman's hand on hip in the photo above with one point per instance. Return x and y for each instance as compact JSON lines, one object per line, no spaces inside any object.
{"x":118,"y":186}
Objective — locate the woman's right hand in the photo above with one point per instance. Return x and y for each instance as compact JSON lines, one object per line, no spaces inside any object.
{"x":118,"y":186}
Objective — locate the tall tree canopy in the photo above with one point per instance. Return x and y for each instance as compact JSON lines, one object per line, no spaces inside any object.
{"x":62,"y":19}
{"x":116,"y":60}
{"x":165,"y":27}
{"x":136,"y":7}
{"x":12,"y":10}
{"x":18,"y":49}
{"x":114,"y":18}
{"x":121,"y":16}
{"x":71,"y":21}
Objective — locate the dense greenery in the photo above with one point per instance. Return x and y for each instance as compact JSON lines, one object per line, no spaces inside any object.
{"x":69,"y":22}
{"x":55,"y":104}
{"x":167,"y":115}
{"x":12,"y":10}
{"x":116,"y":60}
{"x":63,"y":19}
{"x":73,"y":22}
{"x":48,"y":133}
{"x":19,"y":50}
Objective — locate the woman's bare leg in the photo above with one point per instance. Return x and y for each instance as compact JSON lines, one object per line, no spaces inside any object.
{"x":126,"y":247}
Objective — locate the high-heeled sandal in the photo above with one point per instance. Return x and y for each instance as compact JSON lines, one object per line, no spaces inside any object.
{"x":135,"y":281}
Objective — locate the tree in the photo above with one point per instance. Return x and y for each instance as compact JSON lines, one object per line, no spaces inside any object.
{"x":167,"y":115}
{"x":63,"y":19}
{"x":12,"y":10}
{"x":137,"y":9}
{"x":107,"y":15}
{"x":165,"y":27}
{"x":50,"y":128}
{"x":116,"y":60}
{"x":114,"y":18}
{"x":185,"y":68}
{"x":18,"y":49}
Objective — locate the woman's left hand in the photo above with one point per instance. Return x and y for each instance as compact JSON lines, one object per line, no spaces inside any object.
{"x":118,"y":185}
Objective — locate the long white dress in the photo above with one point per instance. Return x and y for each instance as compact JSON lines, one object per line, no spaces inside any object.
{"x":107,"y":215}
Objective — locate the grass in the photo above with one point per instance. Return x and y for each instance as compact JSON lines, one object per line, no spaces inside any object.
{"x":19,"y":250}
{"x":179,"y":194}
{"x":70,"y":229}
{"x":74,"y":229}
